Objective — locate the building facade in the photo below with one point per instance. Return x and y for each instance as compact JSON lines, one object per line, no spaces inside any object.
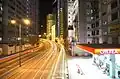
{"x":60,"y":11}
{"x":113,"y":21}
{"x":16,"y":10}
{"x":70,"y":11}
{"x":103,"y":19}
{"x":50,"y":24}
{"x":34,"y":14}
{"x":70,"y":21}
{"x":76,"y":19}
{"x":95,"y":21}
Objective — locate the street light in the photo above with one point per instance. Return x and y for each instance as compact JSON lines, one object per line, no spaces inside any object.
{"x":26,"y":22}
{"x":13,"y":21}
{"x":44,"y":33}
{"x":39,"y":36}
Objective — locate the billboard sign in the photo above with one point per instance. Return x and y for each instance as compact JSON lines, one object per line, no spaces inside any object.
{"x":107,"y":51}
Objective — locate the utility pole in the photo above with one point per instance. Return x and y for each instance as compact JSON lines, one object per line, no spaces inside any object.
{"x":20,"y":44}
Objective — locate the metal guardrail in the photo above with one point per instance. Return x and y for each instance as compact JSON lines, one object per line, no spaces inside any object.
{"x":10,"y":63}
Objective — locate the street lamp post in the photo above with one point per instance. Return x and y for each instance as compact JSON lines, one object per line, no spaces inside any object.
{"x":26,"y":22}
{"x":20,"y":43}
{"x":14,"y":23}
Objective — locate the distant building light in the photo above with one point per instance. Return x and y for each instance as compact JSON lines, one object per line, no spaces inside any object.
{"x":88,"y":13}
{"x":91,"y":17}
{"x":1,"y":8}
{"x":39,"y":35}
{"x":0,"y":39}
{"x":91,"y":11}
{"x":41,"y":25}
{"x":105,"y":22}
{"x":105,"y":33}
{"x":19,"y":38}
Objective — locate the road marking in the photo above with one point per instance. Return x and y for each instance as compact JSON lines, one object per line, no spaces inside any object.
{"x":43,"y":65}
{"x":57,"y":62}
{"x":32,"y":64}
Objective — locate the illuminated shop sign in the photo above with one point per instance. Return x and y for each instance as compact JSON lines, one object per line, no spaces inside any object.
{"x":107,"y":51}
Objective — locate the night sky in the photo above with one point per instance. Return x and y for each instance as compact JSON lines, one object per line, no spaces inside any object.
{"x":45,"y":8}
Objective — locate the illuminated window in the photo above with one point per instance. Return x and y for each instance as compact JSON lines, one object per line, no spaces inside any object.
{"x":91,"y":11}
{"x":91,"y":17}
{"x":1,"y":8}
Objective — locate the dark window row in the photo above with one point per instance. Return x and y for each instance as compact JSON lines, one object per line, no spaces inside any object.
{"x":104,"y":13}
{"x":95,"y":32}
{"x":12,"y":7}
{"x":114,"y":4}
{"x":0,"y":1}
{"x":95,"y":25}
{"x":97,"y":16}
{"x":114,"y":16}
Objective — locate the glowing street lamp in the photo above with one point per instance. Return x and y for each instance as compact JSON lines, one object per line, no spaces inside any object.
{"x":26,"y":22}
{"x":44,"y":33}
{"x":39,"y":35}
{"x":13,"y":21}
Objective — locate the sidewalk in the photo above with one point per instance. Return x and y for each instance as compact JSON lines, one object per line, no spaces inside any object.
{"x":86,"y":65}
{"x":78,"y":50}
{"x":90,"y":71}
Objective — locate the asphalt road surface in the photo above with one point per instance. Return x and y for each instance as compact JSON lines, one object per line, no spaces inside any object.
{"x":38,"y":67}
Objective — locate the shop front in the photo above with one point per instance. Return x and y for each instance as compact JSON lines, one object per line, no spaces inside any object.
{"x":108,"y":60}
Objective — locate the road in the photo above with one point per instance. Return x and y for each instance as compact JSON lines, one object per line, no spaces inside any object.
{"x":87,"y":69}
{"x":39,"y":67}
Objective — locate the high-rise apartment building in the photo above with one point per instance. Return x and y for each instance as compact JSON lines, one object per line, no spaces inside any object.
{"x":113,"y":21}
{"x":60,"y":9}
{"x":1,"y":10}
{"x":33,"y":13}
{"x":50,"y":23}
{"x":17,"y":10}
{"x":95,"y":21}
{"x":70,"y":10}
{"x":92,"y":21}
{"x":103,"y":19}
{"x":70,"y":20}
{"x":77,"y":22}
